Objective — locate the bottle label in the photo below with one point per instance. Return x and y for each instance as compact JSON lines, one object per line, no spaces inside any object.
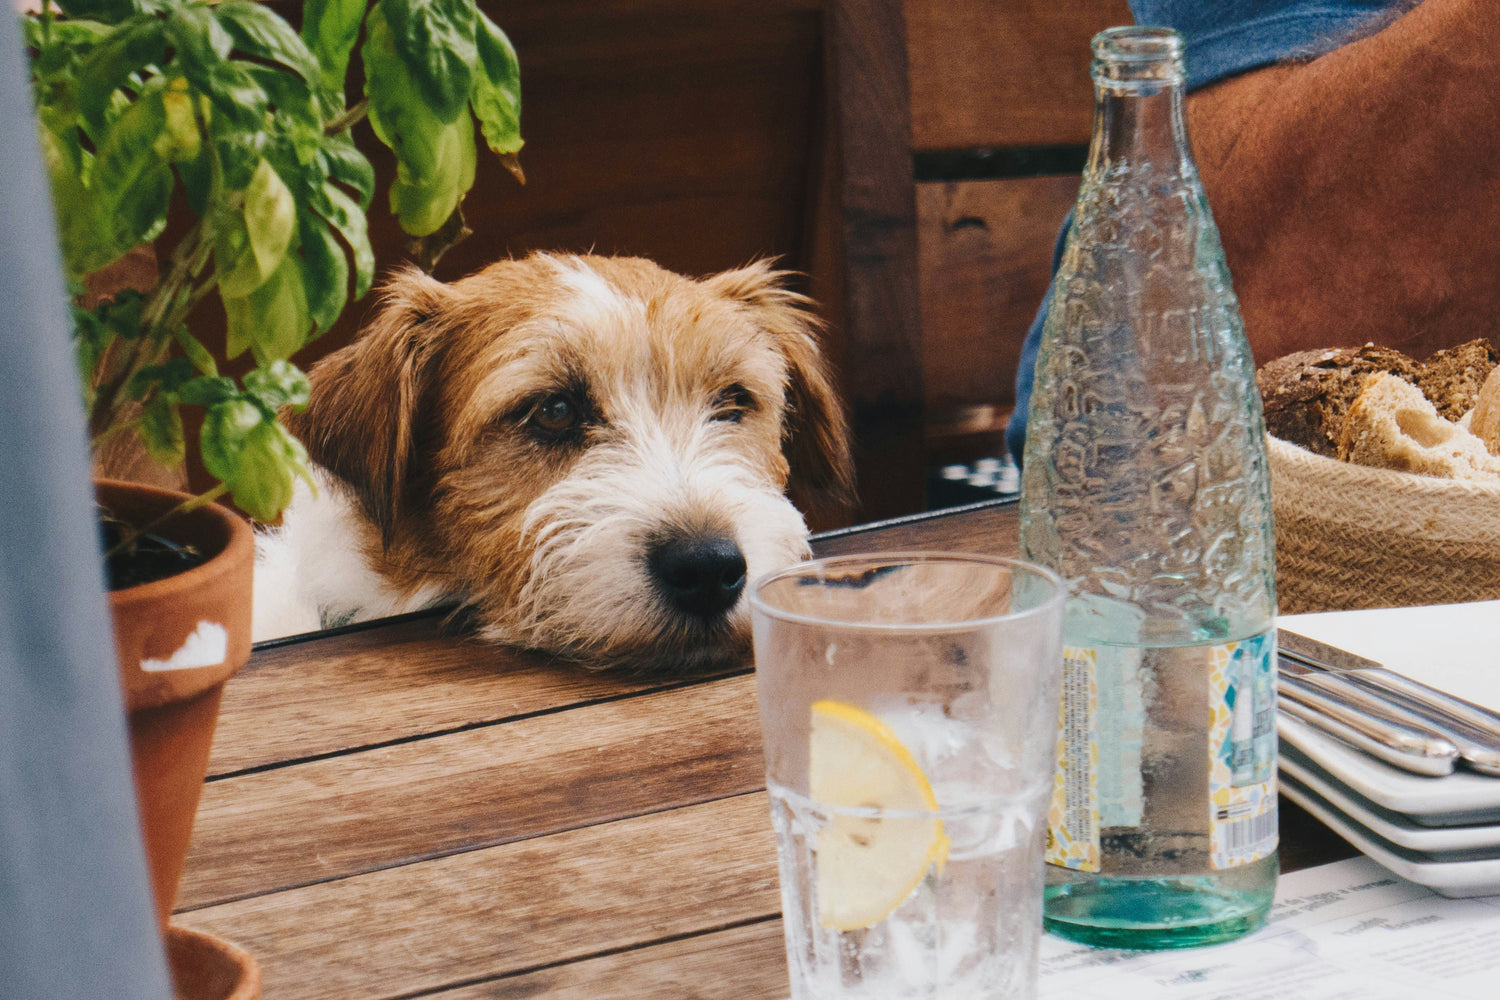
{"x":1242,"y":739}
{"x":1073,"y":820}
{"x":1104,"y":739}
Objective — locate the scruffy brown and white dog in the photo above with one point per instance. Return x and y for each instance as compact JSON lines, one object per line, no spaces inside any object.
{"x":594,"y":454}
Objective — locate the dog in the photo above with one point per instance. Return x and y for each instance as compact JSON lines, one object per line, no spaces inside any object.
{"x":591,"y":454}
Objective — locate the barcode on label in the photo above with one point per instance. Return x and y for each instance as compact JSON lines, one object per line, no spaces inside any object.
{"x":1241,"y":840}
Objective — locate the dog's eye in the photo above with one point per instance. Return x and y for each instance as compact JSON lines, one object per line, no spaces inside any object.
{"x":733,"y":403}
{"x":557,"y":414}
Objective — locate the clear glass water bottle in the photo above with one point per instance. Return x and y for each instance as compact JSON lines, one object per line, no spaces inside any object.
{"x":1145,"y":486}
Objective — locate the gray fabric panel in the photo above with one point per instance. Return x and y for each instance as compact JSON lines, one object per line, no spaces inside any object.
{"x":75,"y":912}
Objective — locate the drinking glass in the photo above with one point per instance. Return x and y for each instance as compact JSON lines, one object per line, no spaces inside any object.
{"x":909,"y":705}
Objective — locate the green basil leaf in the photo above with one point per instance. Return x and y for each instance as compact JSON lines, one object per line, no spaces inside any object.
{"x":247,"y":450}
{"x":325,"y":272}
{"x":278,"y":384}
{"x":235,"y":93}
{"x":169,"y":376}
{"x":239,"y":151}
{"x":343,"y":161}
{"x":234,"y":262}
{"x":330,"y":28}
{"x":182,"y":140}
{"x":290,"y":95}
{"x":497,"y":89}
{"x":160,"y":430}
{"x":349,"y":219}
{"x":250,"y":245}
{"x":268,"y":460}
{"x":423,"y":200}
{"x":208,"y":390}
{"x":197,"y":174}
{"x":435,"y":41}
{"x":394,"y":96}
{"x":261,"y":33}
{"x":81,"y":238}
{"x":272,"y":321}
{"x":203,"y":47}
{"x":226,"y":426}
{"x":132,"y":183}
{"x":270,"y":217}
{"x":136,"y":45}
{"x":60,"y":45}
{"x":434,"y":156}
{"x":198,"y":37}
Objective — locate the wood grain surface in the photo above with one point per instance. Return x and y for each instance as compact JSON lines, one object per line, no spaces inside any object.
{"x":495,"y":911}
{"x":389,"y":682}
{"x":401,"y":811}
{"x":331,"y":818}
{"x":745,"y":963}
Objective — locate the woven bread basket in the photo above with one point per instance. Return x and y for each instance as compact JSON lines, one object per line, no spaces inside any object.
{"x":1348,"y":536}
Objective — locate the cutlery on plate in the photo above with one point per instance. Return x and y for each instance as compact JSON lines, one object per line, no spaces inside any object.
{"x":1407,"y":747}
{"x":1472,"y":729}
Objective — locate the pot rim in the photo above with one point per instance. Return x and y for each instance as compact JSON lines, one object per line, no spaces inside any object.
{"x":238,"y":543}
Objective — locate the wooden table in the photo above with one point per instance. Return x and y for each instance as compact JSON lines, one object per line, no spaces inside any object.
{"x":401,"y":810}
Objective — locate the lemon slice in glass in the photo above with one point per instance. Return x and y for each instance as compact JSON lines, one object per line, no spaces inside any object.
{"x":868,"y":864}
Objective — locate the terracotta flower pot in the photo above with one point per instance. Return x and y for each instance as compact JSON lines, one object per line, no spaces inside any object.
{"x":178,"y":640}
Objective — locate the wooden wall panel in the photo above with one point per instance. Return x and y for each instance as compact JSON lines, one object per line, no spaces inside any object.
{"x":679,"y":130}
{"x":1012,"y":73}
{"x":876,"y":236}
{"x":986,"y":259}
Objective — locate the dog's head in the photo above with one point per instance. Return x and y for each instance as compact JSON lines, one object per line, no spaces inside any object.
{"x":594,"y":453}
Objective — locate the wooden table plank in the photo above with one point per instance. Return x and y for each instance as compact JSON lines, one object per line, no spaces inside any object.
{"x":746,"y":963}
{"x":991,"y":528}
{"x":520,"y":906}
{"x":394,"y":681}
{"x":332,"y":818}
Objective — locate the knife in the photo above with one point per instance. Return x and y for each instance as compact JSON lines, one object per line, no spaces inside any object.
{"x":1407,"y":747}
{"x":1473,"y":730}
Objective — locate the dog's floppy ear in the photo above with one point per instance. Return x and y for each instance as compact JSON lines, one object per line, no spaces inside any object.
{"x":366,"y":413}
{"x":815,"y":435}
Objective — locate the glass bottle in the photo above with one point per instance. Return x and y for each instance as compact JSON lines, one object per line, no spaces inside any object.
{"x":1145,"y":486}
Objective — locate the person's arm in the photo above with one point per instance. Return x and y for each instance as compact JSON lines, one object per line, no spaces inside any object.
{"x":1358,"y":193}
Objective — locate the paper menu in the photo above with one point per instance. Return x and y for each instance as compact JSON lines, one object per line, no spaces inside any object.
{"x":1337,"y":932}
{"x":1453,"y":647}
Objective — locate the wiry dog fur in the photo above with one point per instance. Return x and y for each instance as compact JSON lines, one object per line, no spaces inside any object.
{"x":540,"y":439}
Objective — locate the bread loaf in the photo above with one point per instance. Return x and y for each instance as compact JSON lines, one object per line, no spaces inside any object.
{"x":1392,"y":425}
{"x":1484,"y":419}
{"x":1451,"y":378}
{"x":1307,"y":394}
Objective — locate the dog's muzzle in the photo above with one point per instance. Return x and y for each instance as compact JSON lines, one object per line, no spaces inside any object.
{"x":698,"y":575}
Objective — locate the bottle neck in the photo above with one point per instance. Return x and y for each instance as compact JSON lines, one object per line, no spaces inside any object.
{"x":1139,"y":128}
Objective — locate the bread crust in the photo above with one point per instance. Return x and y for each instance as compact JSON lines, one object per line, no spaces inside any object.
{"x":1306,"y":395}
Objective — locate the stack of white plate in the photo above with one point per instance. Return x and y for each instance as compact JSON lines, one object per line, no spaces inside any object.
{"x":1443,"y":833}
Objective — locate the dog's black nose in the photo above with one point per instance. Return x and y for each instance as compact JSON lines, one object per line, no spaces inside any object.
{"x":700,"y":575}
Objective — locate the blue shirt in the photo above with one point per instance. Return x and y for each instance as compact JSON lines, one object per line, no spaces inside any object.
{"x":1222,"y":37}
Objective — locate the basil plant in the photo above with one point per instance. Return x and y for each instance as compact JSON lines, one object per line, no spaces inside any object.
{"x":144,"y":106}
